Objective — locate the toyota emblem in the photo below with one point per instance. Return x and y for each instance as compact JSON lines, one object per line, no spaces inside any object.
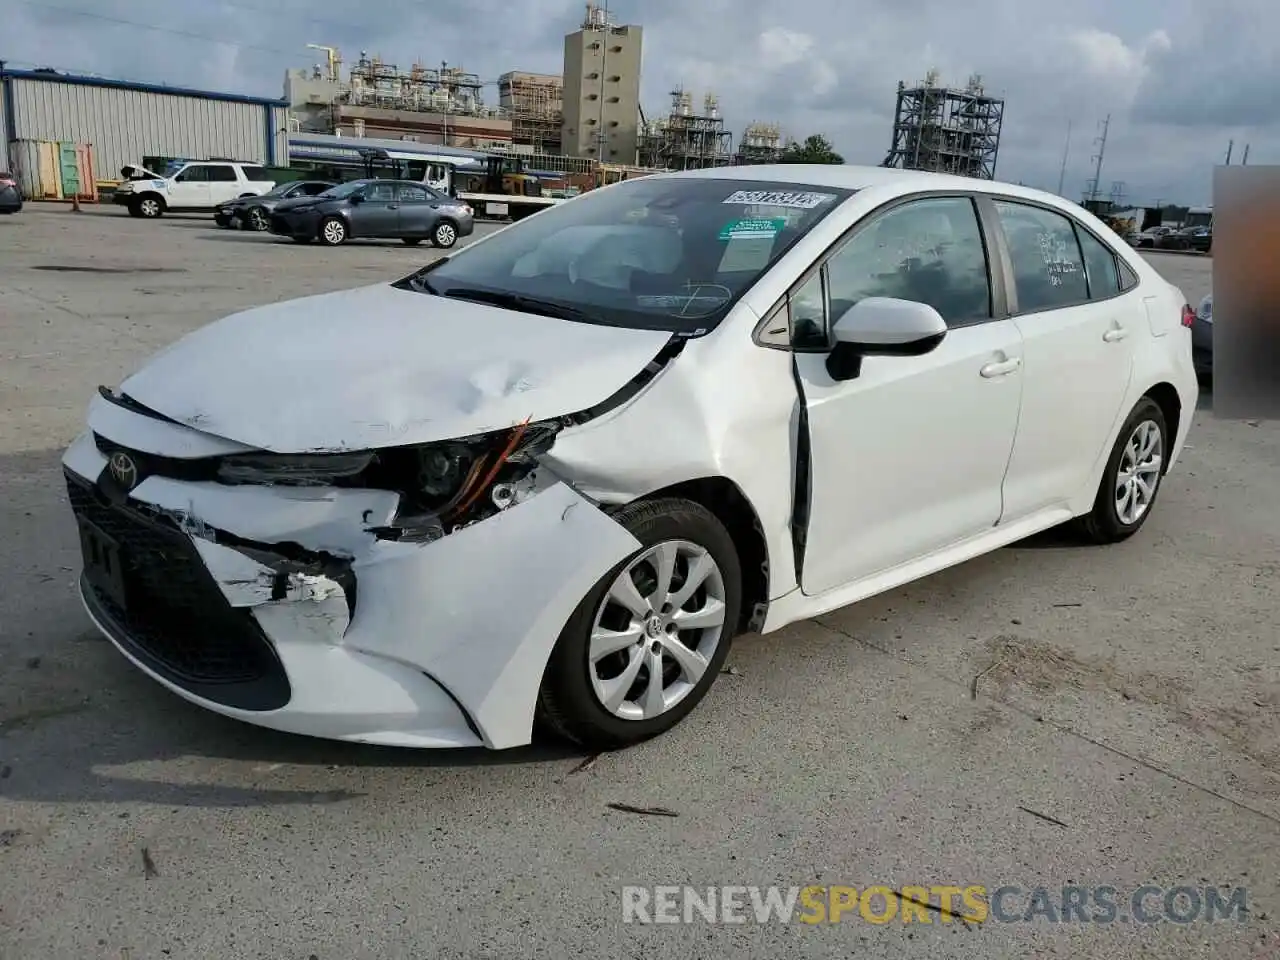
{"x":123,"y":470}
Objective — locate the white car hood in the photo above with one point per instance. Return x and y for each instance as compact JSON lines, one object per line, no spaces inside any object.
{"x":379,"y":366}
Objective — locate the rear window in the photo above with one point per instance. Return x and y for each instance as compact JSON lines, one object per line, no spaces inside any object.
{"x":255,"y":173}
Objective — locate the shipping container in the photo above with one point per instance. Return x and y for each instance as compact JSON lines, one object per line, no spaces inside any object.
{"x":49,"y":170}
{"x":122,"y":121}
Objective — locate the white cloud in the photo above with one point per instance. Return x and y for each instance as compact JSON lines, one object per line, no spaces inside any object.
{"x":1178,"y":78}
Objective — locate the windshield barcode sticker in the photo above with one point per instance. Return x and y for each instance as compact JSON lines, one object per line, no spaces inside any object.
{"x":769,"y":198}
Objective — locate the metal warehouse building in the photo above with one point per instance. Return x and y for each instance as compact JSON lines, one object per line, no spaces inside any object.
{"x":125,"y":121}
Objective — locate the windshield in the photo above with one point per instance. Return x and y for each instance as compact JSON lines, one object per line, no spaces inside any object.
{"x":280,"y":188}
{"x":661,"y":253}
{"x":345,"y":190}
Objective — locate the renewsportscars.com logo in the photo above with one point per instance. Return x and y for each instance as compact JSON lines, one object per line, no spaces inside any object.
{"x":972,"y":903}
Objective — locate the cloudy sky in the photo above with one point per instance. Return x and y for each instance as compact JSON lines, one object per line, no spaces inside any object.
{"x":1179,"y":78}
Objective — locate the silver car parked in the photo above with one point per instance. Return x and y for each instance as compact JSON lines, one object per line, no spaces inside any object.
{"x":375,"y":209}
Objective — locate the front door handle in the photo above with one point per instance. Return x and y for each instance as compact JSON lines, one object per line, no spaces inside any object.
{"x":1001,"y":368}
{"x":1115,"y":334}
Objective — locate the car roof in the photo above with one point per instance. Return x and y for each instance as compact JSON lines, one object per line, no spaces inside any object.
{"x":854,"y":177}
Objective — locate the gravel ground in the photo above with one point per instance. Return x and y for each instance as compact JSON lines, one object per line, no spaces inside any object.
{"x":1043,"y":716}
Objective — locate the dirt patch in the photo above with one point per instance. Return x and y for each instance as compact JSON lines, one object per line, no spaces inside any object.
{"x":1251,"y":725}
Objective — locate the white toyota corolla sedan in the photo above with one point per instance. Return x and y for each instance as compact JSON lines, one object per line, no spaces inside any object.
{"x":544,"y":482}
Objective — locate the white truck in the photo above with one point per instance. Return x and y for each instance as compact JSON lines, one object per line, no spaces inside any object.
{"x":188,"y":186}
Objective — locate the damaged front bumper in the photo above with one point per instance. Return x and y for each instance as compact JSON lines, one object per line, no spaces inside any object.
{"x":282,"y":607}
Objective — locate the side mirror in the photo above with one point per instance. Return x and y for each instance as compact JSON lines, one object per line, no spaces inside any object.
{"x":886,"y":327}
{"x":356,"y":198}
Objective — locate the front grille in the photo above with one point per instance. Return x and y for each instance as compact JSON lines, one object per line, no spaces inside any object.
{"x":153,"y":465}
{"x":174,"y":617}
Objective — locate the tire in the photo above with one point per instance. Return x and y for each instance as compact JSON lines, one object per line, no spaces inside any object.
{"x":255,"y":218}
{"x":445,"y":234}
{"x":1105,"y":523}
{"x":568,"y":703}
{"x":333,"y":231}
{"x":411,"y":241}
{"x":148,"y":207}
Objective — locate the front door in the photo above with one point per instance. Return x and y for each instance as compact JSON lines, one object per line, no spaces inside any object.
{"x":190,"y":188}
{"x":378,"y":214}
{"x":1078,"y":333}
{"x":908,"y":457}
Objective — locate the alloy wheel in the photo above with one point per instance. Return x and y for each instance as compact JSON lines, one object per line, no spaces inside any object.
{"x":1139,"y":472}
{"x":334,"y":232}
{"x":446,"y":236}
{"x":258,"y":219}
{"x":150,"y":207}
{"x":656,"y":630}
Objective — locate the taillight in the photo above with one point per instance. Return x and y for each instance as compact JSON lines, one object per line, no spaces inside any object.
{"x":6,"y":182}
{"x":1188,"y":315}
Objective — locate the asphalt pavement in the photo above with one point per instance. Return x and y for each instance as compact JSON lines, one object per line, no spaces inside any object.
{"x":1047,"y":715}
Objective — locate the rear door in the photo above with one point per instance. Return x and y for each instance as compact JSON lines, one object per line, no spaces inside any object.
{"x":418,"y":210}
{"x":1078,"y":330}
{"x":224,"y":183}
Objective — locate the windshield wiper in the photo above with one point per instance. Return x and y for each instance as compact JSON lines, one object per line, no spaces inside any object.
{"x":516,"y":301}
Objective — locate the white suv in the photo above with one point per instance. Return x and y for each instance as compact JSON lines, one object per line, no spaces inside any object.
{"x":200,"y":185}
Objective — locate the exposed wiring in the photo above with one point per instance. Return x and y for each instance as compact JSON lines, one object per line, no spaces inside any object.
{"x":478,"y":490}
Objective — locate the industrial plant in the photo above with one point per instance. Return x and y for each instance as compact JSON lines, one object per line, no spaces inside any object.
{"x":945,"y":129}
{"x":585,"y":124}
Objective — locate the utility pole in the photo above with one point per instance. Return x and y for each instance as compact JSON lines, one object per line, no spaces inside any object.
{"x":1230,"y":146}
{"x":602,"y":137}
{"x":1244,"y":159}
{"x":1066,"y":150}
{"x":1101,"y":141}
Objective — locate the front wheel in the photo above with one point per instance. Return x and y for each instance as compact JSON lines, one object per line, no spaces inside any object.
{"x":148,"y":207}
{"x":255,"y":219}
{"x":645,"y":645}
{"x":1132,"y":477}
{"x":333,"y":231}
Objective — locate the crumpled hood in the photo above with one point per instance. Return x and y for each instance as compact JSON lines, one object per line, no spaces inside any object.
{"x":379,"y":366}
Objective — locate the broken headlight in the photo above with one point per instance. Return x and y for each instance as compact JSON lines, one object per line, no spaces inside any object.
{"x":320,"y":469}
{"x":451,"y":484}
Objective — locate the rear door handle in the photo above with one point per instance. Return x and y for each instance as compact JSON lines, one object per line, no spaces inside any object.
{"x":1115,"y":334}
{"x":1001,"y":368}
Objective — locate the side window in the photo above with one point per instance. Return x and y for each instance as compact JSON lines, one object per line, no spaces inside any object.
{"x":408,"y":193}
{"x":807,"y":313}
{"x":1128,"y":279}
{"x":314,"y":189}
{"x":1099,"y":265}
{"x":435,"y":172}
{"x":257,"y":174}
{"x":929,"y":251}
{"x":380,"y":193}
{"x":222,"y":174}
{"x":1048,"y":270}
{"x":193,"y":174}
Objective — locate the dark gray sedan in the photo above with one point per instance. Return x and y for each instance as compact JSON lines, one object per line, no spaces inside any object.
{"x":254,"y":212}
{"x":375,"y":209}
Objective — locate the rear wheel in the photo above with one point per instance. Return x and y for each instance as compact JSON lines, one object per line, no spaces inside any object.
{"x":333,"y":231}
{"x":1132,"y":477}
{"x":645,"y":645}
{"x":445,"y":234}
